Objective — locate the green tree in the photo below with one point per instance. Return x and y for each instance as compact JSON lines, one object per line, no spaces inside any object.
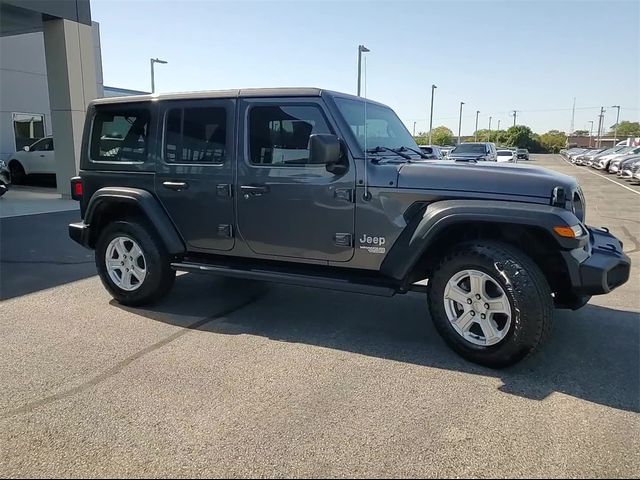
{"x":627,"y":129}
{"x":553,"y":141}
{"x":439,"y":136}
{"x":522,"y":136}
{"x":498,"y":137}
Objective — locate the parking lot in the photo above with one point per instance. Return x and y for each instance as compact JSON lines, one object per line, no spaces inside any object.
{"x":237,"y":378}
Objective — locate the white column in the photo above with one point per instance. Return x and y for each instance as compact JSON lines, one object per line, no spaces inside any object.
{"x":71,"y":75}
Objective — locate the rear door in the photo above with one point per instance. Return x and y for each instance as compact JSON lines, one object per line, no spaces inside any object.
{"x":195,"y":169}
{"x":286,"y":206}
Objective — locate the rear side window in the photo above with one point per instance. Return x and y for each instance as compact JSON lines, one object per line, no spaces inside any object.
{"x":279,"y":135}
{"x":196,"y":135}
{"x":120,"y":135}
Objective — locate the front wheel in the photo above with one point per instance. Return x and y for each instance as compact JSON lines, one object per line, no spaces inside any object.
{"x":133,"y":263}
{"x":491,"y":303}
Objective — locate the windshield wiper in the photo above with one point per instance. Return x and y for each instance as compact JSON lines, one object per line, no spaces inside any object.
{"x":379,"y":149}
{"x":422,"y":155}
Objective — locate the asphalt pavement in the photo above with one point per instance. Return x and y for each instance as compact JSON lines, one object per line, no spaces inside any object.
{"x":236,"y":378}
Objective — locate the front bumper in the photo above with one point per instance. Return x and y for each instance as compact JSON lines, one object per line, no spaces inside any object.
{"x":598,"y":267}
{"x":80,"y":233}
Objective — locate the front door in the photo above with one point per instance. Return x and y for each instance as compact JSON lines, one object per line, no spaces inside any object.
{"x":194,"y":173}
{"x":286,"y":206}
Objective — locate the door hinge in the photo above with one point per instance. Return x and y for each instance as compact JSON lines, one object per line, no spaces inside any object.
{"x":345,"y":194}
{"x":225,"y":230}
{"x":343,"y":239}
{"x":223,"y":190}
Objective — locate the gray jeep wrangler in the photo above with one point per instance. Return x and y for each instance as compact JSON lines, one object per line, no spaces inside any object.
{"x":316,"y":188}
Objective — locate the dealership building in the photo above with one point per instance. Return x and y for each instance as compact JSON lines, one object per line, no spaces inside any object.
{"x":50,"y":69}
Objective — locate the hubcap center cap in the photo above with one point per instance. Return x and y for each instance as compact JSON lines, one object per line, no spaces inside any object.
{"x":479,"y":306}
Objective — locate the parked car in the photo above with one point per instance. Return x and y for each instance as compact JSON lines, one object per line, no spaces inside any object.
{"x":474,"y":151}
{"x":5,"y":178}
{"x":432,"y":152}
{"x":37,"y":158}
{"x":601,"y":162}
{"x":626,"y":167}
{"x":506,"y":156}
{"x":635,"y":171}
{"x":573,"y":153}
{"x":287,"y":185}
{"x":614,"y":164}
{"x":587,"y":156}
{"x":522,"y":154}
{"x":446,"y":150}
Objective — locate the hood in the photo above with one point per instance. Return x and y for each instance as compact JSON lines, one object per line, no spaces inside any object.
{"x":484,"y":177}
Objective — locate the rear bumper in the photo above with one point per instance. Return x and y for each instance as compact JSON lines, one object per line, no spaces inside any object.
{"x":79,"y":232}
{"x":599,"y":267}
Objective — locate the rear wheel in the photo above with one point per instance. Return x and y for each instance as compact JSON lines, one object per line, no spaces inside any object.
{"x":17,"y":172}
{"x":133,"y":263}
{"x":491,"y":303}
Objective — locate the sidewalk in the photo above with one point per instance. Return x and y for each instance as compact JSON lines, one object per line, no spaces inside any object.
{"x":22,"y":200}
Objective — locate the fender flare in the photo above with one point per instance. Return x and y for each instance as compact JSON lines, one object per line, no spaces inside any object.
{"x":422,"y":231}
{"x":148,"y":204}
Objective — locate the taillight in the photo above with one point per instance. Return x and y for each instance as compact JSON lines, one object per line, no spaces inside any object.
{"x":77,"y":189}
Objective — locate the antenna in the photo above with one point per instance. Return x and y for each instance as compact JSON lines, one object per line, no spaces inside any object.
{"x":366,"y":195}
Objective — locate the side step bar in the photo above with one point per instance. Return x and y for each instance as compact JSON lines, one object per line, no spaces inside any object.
{"x":287,"y":278}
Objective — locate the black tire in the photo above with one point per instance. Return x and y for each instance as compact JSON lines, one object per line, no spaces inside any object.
{"x":525,"y":286}
{"x":17,"y":172}
{"x":159,"y":275}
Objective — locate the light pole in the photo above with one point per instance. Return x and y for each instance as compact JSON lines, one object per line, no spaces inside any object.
{"x":460,"y":122}
{"x":590,"y":132}
{"x":153,"y":79}
{"x":600,"y":124}
{"x":414,"y":129}
{"x":615,"y":128}
{"x":489,"y":137}
{"x":433,"y":87}
{"x":475,"y":135}
{"x":361,"y":49}
{"x":515,"y":114}
{"x":498,"y":131}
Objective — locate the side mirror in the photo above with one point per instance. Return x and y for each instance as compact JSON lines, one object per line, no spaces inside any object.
{"x":26,"y":148}
{"x":324,"y":149}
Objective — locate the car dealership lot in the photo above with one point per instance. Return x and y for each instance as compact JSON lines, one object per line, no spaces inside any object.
{"x":241,"y":378}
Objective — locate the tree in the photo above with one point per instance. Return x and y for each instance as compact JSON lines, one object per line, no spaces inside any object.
{"x":522,"y":136}
{"x":499,"y":137}
{"x":627,"y":129}
{"x":553,"y":141}
{"x":439,"y":136}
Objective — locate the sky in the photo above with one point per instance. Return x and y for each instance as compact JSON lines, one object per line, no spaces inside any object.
{"x":496,"y":56}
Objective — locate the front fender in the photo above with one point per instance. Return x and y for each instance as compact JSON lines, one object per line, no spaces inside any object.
{"x":422,"y":231}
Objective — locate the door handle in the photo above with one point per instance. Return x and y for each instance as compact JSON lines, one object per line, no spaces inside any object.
{"x":177,"y":186}
{"x":254,"y":190}
{"x":42,"y":155}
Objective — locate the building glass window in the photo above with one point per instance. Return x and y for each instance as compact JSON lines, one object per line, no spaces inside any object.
{"x":28,"y":128}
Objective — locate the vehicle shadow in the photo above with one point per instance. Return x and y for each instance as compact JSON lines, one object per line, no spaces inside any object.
{"x":594,"y":353}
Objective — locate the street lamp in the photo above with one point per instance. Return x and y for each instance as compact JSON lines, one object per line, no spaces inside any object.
{"x":361,"y":49}
{"x":153,"y":80}
{"x":414,"y":129}
{"x":615,"y":128}
{"x":498,"y":130}
{"x":590,"y":132}
{"x":475,"y":135}
{"x":460,"y":122}
{"x":433,"y":87}
{"x":489,"y":137}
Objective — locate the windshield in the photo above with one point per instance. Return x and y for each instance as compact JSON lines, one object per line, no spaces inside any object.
{"x":383,"y":127}
{"x":505,"y":153}
{"x":475,"y":148}
{"x":521,"y":150}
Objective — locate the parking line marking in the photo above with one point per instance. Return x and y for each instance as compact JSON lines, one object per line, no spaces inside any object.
{"x":595,"y":173}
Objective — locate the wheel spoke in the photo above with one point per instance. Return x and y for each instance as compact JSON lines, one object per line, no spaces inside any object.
{"x":489,"y":329}
{"x":499,"y":305}
{"x":122,"y":247}
{"x":114,"y":263}
{"x":476,"y":282}
{"x":465,"y":321}
{"x":455,"y":293}
{"x":126,"y":279}
{"x":135,"y":251}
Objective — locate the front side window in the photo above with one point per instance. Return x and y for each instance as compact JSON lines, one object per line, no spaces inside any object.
{"x":196,"y":135}
{"x":279,"y":134}
{"x":27,"y":129}
{"x":120,"y":135}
